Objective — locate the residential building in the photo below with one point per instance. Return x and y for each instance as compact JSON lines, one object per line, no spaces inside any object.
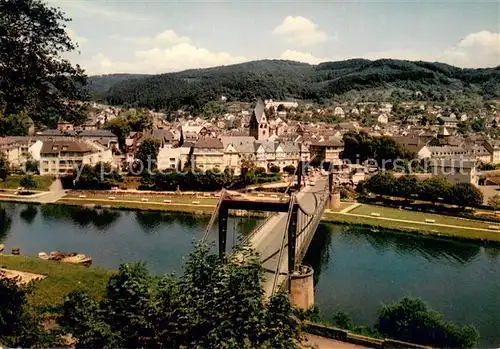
{"x":104,"y":137}
{"x":456,"y":170}
{"x":66,"y":156}
{"x":65,"y":126}
{"x":238,"y":149}
{"x":493,"y":147}
{"x":275,"y":104}
{"x":11,"y":150}
{"x":327,"y":151}
{"x":208,"y":154}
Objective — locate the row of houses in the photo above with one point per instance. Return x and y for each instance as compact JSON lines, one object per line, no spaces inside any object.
{"x":60,"y":152}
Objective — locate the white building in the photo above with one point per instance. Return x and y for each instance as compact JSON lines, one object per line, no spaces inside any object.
{"x":68,"y":156}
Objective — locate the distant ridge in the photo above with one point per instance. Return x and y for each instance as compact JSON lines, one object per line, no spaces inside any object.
{"x":281,"y":79}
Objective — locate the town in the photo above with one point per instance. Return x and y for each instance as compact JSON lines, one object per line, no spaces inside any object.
{"x":290,"y":175}
{"x":267,"y":136}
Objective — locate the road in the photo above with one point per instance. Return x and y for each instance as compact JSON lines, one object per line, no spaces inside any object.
{"x":268,"y":240}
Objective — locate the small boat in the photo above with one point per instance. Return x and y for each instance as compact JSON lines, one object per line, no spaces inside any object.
{"x":43,"y":255}
{"x":79,"y":259}
{"x":67,"y":257}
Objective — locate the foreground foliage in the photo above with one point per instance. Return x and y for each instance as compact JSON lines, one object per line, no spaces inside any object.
{"x":214,"y":304}
{"x":36,"y":80}
{"x":414,"y":321}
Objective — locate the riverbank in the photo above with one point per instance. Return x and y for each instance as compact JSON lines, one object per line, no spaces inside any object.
{"x":373,"y":216}
{"x":60,"y":279}
{"x":379,"y":217}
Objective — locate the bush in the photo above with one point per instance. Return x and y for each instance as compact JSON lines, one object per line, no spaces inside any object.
{"x":260,"y":171}
{"x":494,"y":201}
{"x":290,"y":169}
{"x":274,"y":169}
{"x":412,"y":320}
{"x":29,"y":182}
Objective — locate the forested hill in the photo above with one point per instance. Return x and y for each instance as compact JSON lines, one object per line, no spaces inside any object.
{"x":278,"y":79}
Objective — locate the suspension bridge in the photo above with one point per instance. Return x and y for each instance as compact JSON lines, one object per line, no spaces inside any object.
{"x":283,"y":238}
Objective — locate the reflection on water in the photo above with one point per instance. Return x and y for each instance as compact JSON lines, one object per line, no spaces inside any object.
{"x":83,"y":217}
{"x":5,"y":223}
{"x":357,"y":269}
{"x":29,"y":213}
{"x":428,"y":247}
{"x":318,"y":254}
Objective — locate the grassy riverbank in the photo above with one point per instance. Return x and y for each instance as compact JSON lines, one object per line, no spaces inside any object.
{"x":13,"y":182}
{"x":60,"y":278}
{"x":409,"y":221}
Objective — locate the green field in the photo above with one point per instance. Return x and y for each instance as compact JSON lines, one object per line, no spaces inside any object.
{"x":386,"y":212}
{"x":417,"y":223}
{"x":60,"y":278}
{"x":147,"y":206}
{"x":12,"y":182}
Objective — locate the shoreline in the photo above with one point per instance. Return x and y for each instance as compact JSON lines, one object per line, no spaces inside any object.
{"x":481,"y":237}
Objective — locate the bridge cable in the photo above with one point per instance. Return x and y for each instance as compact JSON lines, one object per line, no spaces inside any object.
{"x":277,"y":273}
{"x":214,"y":214}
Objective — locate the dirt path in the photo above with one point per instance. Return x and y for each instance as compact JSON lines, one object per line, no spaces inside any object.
{"x":25,"y":277}
{"x":318,"y":342}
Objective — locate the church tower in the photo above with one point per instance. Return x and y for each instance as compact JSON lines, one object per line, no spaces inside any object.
{"x":259,"y":127}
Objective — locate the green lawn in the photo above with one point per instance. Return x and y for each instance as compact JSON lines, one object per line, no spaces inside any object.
{"x":138,"y":197}
{"x":387,"y":212}
{"x":60,"y":278}
{"x":12,"y":182}
{"x":147,"y":206}
{"x":413,"y":227}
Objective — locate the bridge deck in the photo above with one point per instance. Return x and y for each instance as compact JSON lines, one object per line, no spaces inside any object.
{"x":268,"y":239}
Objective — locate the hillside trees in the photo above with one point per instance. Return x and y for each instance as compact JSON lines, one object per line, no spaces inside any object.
{"x":358,"y":79}
{"x":36,"y":79}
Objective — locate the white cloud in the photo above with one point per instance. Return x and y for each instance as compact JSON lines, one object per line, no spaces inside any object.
{"x":304,"y":57}
{"x":75,"y":37}
{"x":157,"y":60}
{"x":300,"y":30}
{"x":476,"y":50}
{"x":167,"y":37}
{"x":95,"y":9}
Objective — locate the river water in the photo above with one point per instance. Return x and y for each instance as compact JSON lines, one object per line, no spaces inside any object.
{"x":356,"y":270}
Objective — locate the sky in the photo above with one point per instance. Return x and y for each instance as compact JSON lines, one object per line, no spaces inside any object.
{"x":155,"y":36}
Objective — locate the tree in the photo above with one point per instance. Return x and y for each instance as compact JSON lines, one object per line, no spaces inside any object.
{"x":198,"y":310}
{"x":19,"y":325}
{"x":494,"y":201}
{"x":4,"y":167}
{"x":274,"y":169}
{"x":281,"y":107}
{"x":382,"y":183}
{"x":434,"y":189}
{"x":121,"y":128}
{"x":36,"y":79}
{"x":147,"y":154}
{"x":412,"y":320}
{"x":290,"y":169}
{"x":29,"y":182}
{"x":465,"y":194}
{"x":259,"y":171}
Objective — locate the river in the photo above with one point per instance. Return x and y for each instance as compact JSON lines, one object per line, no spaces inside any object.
{"x":356,"y":270}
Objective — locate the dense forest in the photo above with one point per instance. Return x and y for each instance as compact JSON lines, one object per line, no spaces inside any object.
{"x":278,"y":79}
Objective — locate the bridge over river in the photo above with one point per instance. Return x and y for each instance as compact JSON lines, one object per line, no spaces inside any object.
{"x":283,"y":238}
